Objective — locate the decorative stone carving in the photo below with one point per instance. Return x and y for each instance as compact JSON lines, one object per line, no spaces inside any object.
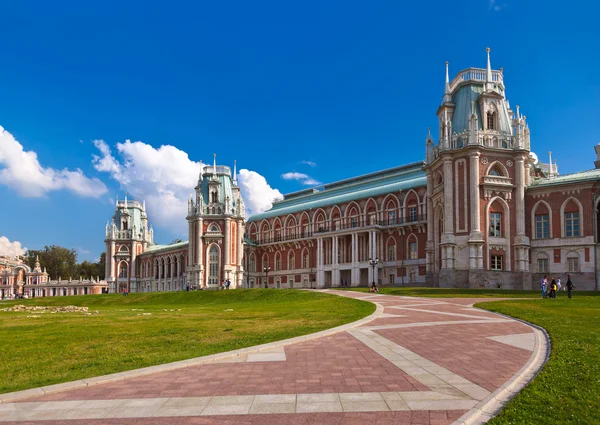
{"x":509,"y":163}
{"x":484,"y":160}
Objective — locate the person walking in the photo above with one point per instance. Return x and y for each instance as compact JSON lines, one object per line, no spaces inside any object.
{"x":558,"y":285}
{"x":227,"y":283}
{"x":544,"y":285}
{"x":569,"y":285}
{"x":553,"y":288}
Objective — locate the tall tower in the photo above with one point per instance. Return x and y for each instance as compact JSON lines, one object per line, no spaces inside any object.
{"x":476,"y":177}
{"x":216,"y":218}
{"x":127,"y":236}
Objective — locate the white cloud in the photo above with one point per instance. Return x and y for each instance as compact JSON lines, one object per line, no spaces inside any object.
{"x":496,"y":6}
{"x":21,"y":170}
{"x":305,"y":179}
{"x":309,"y":163}
{"x":294,"y":176}
{"x":258,"y":195}
{"x":164,"y":177}
{"x":11,"y":249}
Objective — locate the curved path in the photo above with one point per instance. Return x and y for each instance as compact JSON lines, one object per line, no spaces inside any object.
{"x":414,"y":361}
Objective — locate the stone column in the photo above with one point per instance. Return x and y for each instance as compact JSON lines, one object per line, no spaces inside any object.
{"x":190,"y":256}
{"x":475,"y":236}
{"x":227,"y":256}
{"x":521,"y":240}
{"x":112,"y":260}
{"x":199,"y":251}
{"x":429,"y":247}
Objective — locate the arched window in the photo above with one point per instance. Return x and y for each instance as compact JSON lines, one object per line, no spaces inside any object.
{"x":291,"y":260}
{"x":491,"y":120}
{"x":495,"y":224}
{"x":265,"y":261}
{"x":305,"y":260}
{"x":252,"y":264}
{"x":494,"y":172}
{"x":413,"y":247}
{"x":543,"y":265}
{"x":124,"y":225}
{"x":277,"y":261}
{"x":123,"y":248}
{"x":391,"y":249}
{"x":573,"y":262}
{"x":214,"y":228}
{"x":122,"y":269}
{"x":213,"y":265}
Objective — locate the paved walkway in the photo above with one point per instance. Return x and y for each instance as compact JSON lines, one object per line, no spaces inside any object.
{"x":418,"y":361}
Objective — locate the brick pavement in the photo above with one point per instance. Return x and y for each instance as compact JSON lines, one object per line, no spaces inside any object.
{"x":423,"y":361}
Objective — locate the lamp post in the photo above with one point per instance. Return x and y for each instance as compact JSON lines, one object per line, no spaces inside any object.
{"x":373,"y":264}
{"x":266,"y":269}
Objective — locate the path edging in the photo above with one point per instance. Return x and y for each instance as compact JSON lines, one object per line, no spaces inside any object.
{"x":495,"y":402}
{"x":120,"y":376}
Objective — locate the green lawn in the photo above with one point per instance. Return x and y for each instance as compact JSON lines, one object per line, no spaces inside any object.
{"x":62,"y":347}
{"x":461,"y":293}
{"x":567,"y":390}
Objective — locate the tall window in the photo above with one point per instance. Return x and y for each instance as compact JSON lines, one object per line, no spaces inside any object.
{"x":291,"y":261}
{"x":277,"y":262}
{"x":491,"y":118}
{"x":572,"y":224}
{"x":412,"y":251}
{"x":542,"y":264}
{"x":305,"y":260}
{"x":354,"y":221}
{"x":495,"y":224}
{"x":542,"y":226}
{"x":123,"y":269}
{"x":391,"y":253}
{"x":391,"y":279}
{"x":252,"y":264}
{"x":412,"y":213}
{"x":277,"y":235}
{"x":496,"y":261}
{"x":213,"y":265}
{"x":392,"y":217}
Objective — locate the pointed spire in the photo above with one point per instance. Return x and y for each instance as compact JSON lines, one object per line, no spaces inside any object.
{"x":125,"y":200}
{"x":214,"y":165}
{"x":518,"y":113}
{"x":472,"y":107}
{"x":201,"y":169}
{"x":447,"y":87}
{"x":144,"y":205}
{"x":429,"y":133}
{"x":117,"y":203}
{"x":234,"y":172}
{"x":489,"y":66}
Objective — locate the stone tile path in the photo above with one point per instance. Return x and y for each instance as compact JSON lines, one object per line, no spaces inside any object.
{"x":419,"y":361}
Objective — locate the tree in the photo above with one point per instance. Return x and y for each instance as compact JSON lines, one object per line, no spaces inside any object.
{"x":102,"y":266}
{"x":59,"y":261}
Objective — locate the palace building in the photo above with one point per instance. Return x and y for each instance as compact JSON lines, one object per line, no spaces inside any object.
{"x":17,"y":279}
{"x":480,"y":211}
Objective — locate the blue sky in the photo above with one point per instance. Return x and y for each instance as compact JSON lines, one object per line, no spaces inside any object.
{"x":348,"y":86}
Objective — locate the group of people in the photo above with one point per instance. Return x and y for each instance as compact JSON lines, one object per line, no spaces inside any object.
{"x":549,"y":289}
{"x":225,"y":284}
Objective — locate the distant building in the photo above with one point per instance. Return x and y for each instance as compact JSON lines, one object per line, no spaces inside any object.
{"x":18,"y":280}
{"x":480,"y":211}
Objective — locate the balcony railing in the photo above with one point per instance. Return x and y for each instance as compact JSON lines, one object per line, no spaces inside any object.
{"x":326,"y":228}
{"x":475,"y":74}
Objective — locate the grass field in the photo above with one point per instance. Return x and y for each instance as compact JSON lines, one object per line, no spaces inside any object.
{"x":567,"y":390}
{"x":62,"y":347}
{"x":463,"y":293}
